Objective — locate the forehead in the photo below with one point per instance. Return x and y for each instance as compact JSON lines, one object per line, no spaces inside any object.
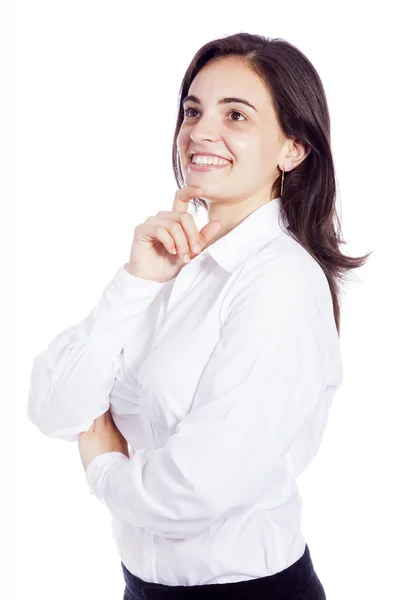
{"x":229,"y":77}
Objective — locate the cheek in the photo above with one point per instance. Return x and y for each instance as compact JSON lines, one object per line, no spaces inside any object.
{"x":182,"y":140}
{"x":255,"y":148}
{"x":243,"y":145}
{"x":246,"y":152}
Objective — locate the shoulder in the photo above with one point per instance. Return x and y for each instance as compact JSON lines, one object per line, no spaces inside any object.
{"x":283,"y":272}
{"x":295,"y":259}
{"x":283,"y":258}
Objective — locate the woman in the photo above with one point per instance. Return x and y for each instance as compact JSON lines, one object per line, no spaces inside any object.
{"x":217,"y":363}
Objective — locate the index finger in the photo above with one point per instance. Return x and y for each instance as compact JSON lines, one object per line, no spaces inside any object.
{"x":182,"y":197}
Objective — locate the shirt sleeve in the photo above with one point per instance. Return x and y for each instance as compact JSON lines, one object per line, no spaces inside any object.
{"x":265,"y":376}
{"x":72,"y":378}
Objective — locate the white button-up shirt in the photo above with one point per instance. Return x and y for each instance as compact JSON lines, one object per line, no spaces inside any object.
{"x":221,"y":380}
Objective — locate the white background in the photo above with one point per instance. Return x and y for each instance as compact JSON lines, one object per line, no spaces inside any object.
{"x":96,"y":98}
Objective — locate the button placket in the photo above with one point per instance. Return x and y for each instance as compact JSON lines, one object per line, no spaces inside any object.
{"x":184,"y":280}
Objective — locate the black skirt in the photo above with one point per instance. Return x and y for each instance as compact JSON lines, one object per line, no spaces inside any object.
{"x":297,"y":582}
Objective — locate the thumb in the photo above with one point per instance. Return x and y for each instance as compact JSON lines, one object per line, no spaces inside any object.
{"x":209,"y":231}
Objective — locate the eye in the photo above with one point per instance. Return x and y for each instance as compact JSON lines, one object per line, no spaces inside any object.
{"x":186,"y":112}
{"x":237,"y":113}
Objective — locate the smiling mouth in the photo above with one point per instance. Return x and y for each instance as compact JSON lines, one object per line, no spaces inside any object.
{"x":209,"y":161}
{"x":205,"y":167}
{"x":205,"y":157}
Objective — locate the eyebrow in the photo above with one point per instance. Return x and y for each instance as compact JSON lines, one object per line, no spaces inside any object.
{"x":222,"y":101}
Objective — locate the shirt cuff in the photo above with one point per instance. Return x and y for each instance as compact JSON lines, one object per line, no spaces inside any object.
{"x":124,"y":280}
{"x":98,"y":468}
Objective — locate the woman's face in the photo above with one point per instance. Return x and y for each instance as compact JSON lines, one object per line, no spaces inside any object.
{"x":249,"y":137}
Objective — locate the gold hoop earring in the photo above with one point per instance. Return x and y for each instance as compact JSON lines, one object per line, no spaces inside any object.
{"x":282,"y":178}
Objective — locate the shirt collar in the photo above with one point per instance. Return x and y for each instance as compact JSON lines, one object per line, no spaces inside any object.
{"x":248,"y":237}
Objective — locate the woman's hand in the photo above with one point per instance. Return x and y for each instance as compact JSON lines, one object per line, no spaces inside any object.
{"x":103,"y":436}
{"x":162,"y":241}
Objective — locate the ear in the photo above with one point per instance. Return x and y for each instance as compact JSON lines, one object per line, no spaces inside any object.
{"x":296,"y":153}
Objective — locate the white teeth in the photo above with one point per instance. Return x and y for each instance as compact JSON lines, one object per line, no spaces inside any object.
{"x":208,"y":160}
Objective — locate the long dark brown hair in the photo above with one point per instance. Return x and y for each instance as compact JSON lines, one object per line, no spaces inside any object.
{"x":308,"y":204}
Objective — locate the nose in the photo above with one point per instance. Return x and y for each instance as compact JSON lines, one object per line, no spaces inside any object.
{"x":205,"y":129}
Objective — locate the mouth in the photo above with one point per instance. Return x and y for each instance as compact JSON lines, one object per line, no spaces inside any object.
{"x":208,"y":164}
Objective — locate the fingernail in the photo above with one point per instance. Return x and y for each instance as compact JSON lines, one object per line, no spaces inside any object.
{"x":186,"y":258}
{"x":197,"y":248}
